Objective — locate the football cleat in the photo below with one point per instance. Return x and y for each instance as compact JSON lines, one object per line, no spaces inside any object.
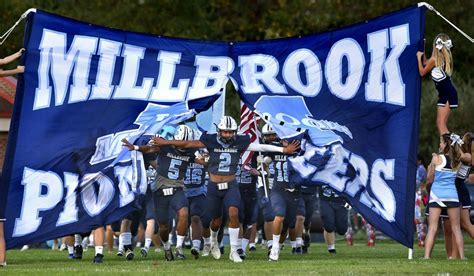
{"x":179,"y":253}
{"x":143,"y":252}
{"x":252,"y":248}
{"x":78,"y":252}
{"x":129,"y":253}
{"x":307,"y":240}
{"x":195,"y":252}
{"x":274,"y":255}
{"x":332,"y":251}
{"x":298,"y":250}
{"x":120,"y":253}
{"x":215,"y":251}
{"x":98,"y":259}
{"x":206,"y":250}
{"x":235,"y":257}
{"x":169,"y":255}
{"x":241,"y":253}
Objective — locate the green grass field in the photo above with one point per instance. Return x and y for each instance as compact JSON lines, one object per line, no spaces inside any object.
{"x":386,"y":257}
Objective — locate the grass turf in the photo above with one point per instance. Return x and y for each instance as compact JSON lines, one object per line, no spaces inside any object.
{"x":386,"y":257}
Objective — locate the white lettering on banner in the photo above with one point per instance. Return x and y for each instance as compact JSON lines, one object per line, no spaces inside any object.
{"x":128,"y":88}
{"x":94,"y":203}
{"x":109,"y":146}
{"x":312,"y":68}
{"x":164,"y":90}
{"x":108,"y":50}
{"x":260,"y":73}
{"x":36,"y":200}
{"x":377,"y":44}
{"x":350,"y":49}
{"x":125,"y":177}
{"x":335,"y":175}
{"x":263,"y":68}
{"x":54,"y":57}
{"x":43,"y":191}
{"x":309,"y":122}
{"x":215,"y":69}
{"x":69,"y":214}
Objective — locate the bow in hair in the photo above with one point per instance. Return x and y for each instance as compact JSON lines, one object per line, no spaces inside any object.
{"x":439,"y":44}
{"x":455,"y":139}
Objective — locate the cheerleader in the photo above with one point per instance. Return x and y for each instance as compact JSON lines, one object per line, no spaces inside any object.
{"x":440,"y":65}
{"x":443,"y":195}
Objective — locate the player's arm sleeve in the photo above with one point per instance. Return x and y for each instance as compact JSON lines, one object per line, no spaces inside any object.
{"x":264,"y":148}
{"x":205,"y":139}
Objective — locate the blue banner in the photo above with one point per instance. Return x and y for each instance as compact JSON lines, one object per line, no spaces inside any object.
{"x":85,"y":89}
{"x":353,"y":92}
{"x":354,"y":95}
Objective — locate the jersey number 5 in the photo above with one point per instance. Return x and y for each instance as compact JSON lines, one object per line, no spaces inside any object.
{"x":173,"y":172}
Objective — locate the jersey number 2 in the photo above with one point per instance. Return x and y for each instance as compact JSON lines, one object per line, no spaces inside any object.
{"x":224,"y":164}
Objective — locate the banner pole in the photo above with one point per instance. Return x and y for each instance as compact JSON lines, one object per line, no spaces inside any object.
{"x":431,"y":8}
{"x":261,"y":157}
{"x":4,"y":37}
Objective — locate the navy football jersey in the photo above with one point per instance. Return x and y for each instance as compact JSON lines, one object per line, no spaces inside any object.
{"x":195,"y":175}
{"x":224,"y":158}
{"x":172,"y":163}
{"x":243,"y":176}
{"x":280,"y":169}
{"x":195,"y":180}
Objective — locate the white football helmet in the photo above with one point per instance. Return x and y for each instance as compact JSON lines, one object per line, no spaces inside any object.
{"x":184,"y":133}
{"x":267,"y":130}
{"x":227,"y":123}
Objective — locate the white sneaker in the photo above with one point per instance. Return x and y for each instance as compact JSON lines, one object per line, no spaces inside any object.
{"x":206,"y":250}
{"x":274,"y":254}
{"x":215,"y":251}
{"x":235,"y":257}
{"x":25,"y":247}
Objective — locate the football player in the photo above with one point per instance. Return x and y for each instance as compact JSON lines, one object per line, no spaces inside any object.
{"x":225,"y":148}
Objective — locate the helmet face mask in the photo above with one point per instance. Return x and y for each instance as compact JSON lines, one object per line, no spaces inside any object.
{"x":226,"y":136}
{"x":269,"y":138}
{"x":227,"y":129}
{"x":269,"y":134}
